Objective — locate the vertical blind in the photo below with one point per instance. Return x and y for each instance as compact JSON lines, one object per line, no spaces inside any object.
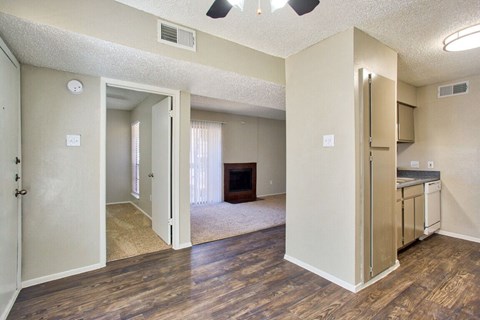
{"x":205,"y":162}
{"x":136,"y":158}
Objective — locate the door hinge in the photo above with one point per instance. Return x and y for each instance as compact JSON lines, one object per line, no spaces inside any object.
{"x":371,"y":271}
{"x":371,"y":139}
{"x":369,"y":78}
{"x":170,"y":113}
{"x":371,"y":158}
{"x":170,"y":222}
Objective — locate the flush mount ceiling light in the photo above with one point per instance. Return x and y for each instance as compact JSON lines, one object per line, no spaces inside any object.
{"x":220,"y":8}
{"x":465,"y":39}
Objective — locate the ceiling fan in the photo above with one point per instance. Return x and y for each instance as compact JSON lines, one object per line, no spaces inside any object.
{"x":220,"y":8}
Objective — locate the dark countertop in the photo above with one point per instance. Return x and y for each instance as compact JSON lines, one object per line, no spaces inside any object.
{"x":419,"y":176}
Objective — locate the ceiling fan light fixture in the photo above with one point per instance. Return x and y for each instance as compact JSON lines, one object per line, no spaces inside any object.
{"x":465,"y":39}
{"x":277,"y":4}
{"x":237,"y":3}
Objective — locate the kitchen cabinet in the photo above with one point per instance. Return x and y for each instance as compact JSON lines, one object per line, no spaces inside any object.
{"x":399,"y":218}
{"x":412,"y":222}
{"x":405,"y":123}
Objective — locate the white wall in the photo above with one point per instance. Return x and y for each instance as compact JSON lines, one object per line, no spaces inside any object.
{"x":118,"y":156}
{"x":143,"y":114}
{"x":447,"y":132}
{"x":252,"y":139}
{"x":61,"y":214}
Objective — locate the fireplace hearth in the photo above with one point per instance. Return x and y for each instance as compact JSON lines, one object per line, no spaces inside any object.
{"x":240,"y":182}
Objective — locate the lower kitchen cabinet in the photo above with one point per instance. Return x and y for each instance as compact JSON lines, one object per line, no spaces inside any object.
{"x":410,"y":215}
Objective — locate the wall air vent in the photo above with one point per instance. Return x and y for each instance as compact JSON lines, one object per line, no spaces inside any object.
{"x":177,"y":36}
{"x":453,"y":89}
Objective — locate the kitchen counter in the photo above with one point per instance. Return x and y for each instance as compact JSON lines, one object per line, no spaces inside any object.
{"x":416,"y":177}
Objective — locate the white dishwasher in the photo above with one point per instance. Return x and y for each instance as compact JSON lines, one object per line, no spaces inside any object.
{"x":432,"y":206}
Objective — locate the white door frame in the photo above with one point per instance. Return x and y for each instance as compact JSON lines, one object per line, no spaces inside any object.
{"x":9,"y":54}
{"x":175,"y":94}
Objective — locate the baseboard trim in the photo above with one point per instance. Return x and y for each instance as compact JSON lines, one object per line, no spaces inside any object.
{"x":272,"y":194}
{"x":141,"y":210}
{"x":182,"y":246}
{"x":60,"y":275}
{"x":458,"y":236}
{"x":121,"y":202}
{"x":323,"y":274}
{"x":133,"y":204}
{"x":379,"y":277}
{"x":10,"y":305}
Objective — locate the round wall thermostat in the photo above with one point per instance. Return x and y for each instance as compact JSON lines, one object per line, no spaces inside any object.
{"x":75,"y":86}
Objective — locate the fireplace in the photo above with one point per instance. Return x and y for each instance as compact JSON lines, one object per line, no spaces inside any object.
{"x":240,"y":182}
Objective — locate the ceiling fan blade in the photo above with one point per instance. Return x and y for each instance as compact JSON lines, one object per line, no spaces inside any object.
{"x":219,"y":9}
{"x":303,"y":6}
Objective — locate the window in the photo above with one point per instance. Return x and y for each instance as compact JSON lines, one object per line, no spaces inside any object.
{"x":205,"y":162}
{"x":136,"y":159}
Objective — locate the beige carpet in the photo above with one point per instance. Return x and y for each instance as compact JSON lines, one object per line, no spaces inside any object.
{"x":129,"y":233}
{"x":224,"y":220}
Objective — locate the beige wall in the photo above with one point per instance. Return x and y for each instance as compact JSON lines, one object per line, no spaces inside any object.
{"x":321,"y":181}
{"x":118,"y":156}
{"x":447,"y":132}
{"x":324,"y":203}
{"x":117,"y":23}
{"x":143,"y":114}
{"x":252,"y":139}
{"x":61,"y":212}
{"x":407,"y":93}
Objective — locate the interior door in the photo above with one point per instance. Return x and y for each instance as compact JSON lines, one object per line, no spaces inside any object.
{"x":161,"y":169}
{"x":9,"y":178}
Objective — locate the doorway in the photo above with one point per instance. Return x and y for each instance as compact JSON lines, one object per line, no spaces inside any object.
{"x":138,"y":183}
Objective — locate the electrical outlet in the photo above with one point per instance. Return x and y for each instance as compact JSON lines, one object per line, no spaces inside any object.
{"x":415,"y":164}
{"x":430,"y":165}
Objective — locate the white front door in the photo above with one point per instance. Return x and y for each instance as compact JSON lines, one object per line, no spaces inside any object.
{"x":9,"y":179}
{"x":161,"y":169}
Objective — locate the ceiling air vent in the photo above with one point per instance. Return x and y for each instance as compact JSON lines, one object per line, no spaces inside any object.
{"x":453,"y":89}
{"x":177,"y":36}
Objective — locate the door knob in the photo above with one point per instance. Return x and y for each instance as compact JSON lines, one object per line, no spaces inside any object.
{"x":20,"y":192}
{"x":150,"y":175}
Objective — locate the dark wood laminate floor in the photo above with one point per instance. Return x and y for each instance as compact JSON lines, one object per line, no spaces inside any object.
{"x":246,"y":278}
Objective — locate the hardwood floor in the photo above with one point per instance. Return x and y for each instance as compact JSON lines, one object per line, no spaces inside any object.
{"x":246,"y":278}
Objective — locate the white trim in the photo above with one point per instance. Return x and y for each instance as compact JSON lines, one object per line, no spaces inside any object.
{"x":11,"y":57}
{"x":121,"y":202}
{"x":350,"y":287}
{"x":135,"y":195}
{"x":10,"y":305}
{"x":379,"y":277}
{"x":458,"y":236}
{"x":183,"y":246}
{"x":323,"y":274}
{"x":175,"y":94}
{"x":271,"y":194}
{"x":60,"y":275}
{"x":103,"y":174}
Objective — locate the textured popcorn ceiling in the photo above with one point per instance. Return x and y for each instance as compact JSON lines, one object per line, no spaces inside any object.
{"x":50,"y":47}
{"x":413,"y":28}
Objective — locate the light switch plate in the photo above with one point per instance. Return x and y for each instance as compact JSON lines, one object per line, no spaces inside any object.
{"x":430,"y":164}
{"x":415,"y":164}
{"x":73,"y":140}
{"x":329,"y":140}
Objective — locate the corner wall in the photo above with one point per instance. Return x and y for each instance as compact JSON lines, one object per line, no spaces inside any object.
{"x":447,"y":132}
{"x":61,"y":213}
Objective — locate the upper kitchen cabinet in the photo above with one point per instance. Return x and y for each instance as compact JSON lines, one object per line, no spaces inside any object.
{"x":405,"y":123}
